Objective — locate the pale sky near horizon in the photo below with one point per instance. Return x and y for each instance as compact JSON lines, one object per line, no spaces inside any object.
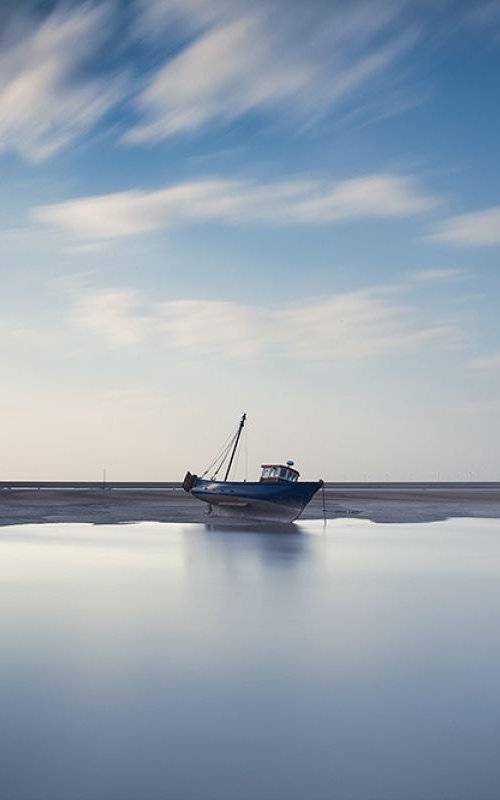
{"x":285,"y":208}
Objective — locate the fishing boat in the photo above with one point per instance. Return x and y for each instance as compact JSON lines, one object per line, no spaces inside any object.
{"x":277,"y":496}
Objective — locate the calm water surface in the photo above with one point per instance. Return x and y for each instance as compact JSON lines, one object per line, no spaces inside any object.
{"x":167,"y":662}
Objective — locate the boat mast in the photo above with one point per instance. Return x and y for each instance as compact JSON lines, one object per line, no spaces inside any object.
{"x":238,"y":434}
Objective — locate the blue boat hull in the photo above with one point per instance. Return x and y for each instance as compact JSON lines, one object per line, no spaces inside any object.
{"x":281,"y":501}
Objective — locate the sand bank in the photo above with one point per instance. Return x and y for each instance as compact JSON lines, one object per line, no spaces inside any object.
{"x":376,"y":502}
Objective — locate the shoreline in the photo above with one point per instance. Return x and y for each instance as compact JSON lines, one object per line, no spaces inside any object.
{"x":38,"y":503}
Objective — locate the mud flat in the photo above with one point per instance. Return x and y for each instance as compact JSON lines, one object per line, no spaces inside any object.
{"x":383,"y":502}
{"x":414,"y":503}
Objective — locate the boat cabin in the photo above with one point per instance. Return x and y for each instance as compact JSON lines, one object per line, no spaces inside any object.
{"x":274,"y":473}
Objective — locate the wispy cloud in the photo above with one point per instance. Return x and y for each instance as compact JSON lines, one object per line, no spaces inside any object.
{"x":223,"y":74}
{"x":185,"y":65}
{"x":156,"y":17}
{"x":436,"y":275}
{"x":341,"y":327}
{"x":113,"y":314}
{"x":477,"y":228}
{"x":280,"y":203}
{"x":302,"y":60}
{"x":64,"y":65}
{"x":484,"y":15}
{"x":489,"y":362}
{"x":46,"y":100}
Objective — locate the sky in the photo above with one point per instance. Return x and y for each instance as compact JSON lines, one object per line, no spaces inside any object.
{"x":285,"y":208}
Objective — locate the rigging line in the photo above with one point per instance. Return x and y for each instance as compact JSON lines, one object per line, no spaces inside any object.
{"x":238,"y":451}
{"x":236,"y":463}
{"x":223,"y":450}
{"x":235,"y":446}
{"x":223,"y":459}
{"x":246,"y":454}
{"x":229,"y":453}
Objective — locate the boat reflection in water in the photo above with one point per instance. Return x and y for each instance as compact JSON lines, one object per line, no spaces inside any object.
{"x":278,"y":495}
{"x":226,"y":524}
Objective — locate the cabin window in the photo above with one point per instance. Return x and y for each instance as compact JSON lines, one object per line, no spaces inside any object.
{"x":283,"y":473}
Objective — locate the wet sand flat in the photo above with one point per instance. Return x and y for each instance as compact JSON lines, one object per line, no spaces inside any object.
{"x":389,"y":502}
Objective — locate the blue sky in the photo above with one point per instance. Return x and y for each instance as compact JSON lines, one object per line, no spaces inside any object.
{"x":281,"y":207}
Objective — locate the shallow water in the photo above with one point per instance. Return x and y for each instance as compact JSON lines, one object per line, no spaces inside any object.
{"x":158,"y":661}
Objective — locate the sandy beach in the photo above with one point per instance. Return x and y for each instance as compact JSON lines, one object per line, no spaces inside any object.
{"x":384,"y":503}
